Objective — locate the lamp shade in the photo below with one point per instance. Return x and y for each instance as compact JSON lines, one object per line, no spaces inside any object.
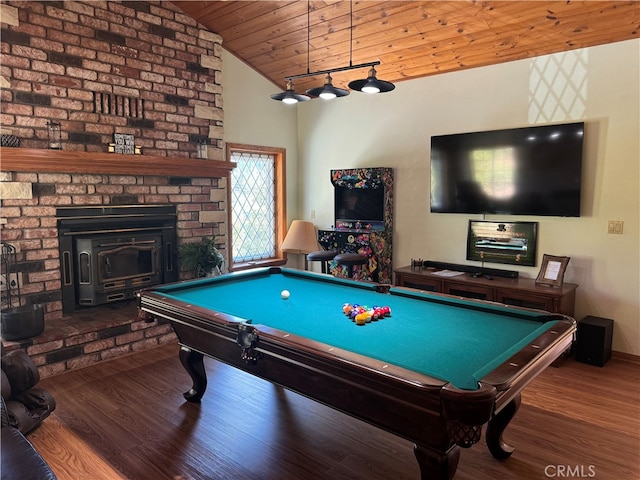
{"x":289,"y":96}
{"x":301,"y":238}
{"x":328,"y":91}
{"x":371,"y":84}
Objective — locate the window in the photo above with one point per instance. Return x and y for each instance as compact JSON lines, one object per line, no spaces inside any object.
{"x":257,"y":213}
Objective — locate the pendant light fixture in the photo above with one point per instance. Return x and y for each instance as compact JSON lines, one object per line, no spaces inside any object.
{"x":328,"y":91}
{"x":371,"y":84}
{"x":289,"y":96}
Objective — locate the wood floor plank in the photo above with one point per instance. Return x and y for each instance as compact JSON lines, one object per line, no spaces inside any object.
{"x":127,"y":419}
{"x":73,"y":458}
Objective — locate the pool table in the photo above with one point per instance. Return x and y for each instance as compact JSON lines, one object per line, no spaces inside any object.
{"x":434,"y":372}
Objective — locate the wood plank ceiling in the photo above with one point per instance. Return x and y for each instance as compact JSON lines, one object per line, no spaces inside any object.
{"x":411,"y":39}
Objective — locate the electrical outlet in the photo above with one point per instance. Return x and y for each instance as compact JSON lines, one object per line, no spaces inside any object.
{"x":313,"y":214}
{"x":615,"y":227}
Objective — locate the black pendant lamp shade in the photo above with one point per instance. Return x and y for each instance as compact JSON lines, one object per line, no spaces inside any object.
{"x":328,"y":91}
{"x":289,"y":96}
{"x":371,"y":84}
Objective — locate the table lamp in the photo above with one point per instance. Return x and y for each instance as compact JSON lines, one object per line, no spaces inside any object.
{"x":301,"y":238}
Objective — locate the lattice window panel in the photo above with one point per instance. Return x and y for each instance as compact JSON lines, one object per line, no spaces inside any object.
{"x":253,"y":206}
{"x":119,"y":105}
{"x":558,"y":87}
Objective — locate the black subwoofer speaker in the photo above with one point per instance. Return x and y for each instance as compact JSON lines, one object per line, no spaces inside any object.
{"x":593,"y":342}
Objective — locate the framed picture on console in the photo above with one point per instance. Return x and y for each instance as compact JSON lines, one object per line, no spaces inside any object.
{"x":552,"y":270}
{"x":512,"y":243}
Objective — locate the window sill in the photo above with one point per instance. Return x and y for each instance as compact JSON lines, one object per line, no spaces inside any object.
{"x":270,"y":262}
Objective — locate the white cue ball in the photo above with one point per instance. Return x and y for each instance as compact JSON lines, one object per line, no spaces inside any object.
{"x":285,"y":294}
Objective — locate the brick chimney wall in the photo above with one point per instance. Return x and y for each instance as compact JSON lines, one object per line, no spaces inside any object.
{"x":99,"y":68}
{"x":105,"y":67}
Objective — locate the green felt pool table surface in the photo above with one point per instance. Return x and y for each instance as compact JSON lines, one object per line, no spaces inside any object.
{"x":455,"y":340}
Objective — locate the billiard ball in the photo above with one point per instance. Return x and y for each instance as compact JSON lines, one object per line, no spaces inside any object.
{"x":285,"y":294}
{"x":361,"y":319}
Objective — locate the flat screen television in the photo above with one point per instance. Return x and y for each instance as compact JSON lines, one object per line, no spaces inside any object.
{"x":522,"y":171}
{"x":359,"y":208}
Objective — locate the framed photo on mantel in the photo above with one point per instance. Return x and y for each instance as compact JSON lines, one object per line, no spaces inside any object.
{"x":552,"y":270}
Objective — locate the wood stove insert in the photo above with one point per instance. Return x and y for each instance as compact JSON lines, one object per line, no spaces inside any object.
{"x":107,"y":253}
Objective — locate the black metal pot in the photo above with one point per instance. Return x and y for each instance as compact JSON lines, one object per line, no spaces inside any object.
{"x":22,"y":322}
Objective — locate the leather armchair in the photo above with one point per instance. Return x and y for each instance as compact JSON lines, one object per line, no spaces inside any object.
{"x":24,"y":406}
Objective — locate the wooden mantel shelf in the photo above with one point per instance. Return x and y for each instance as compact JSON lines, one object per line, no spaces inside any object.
{"x":61,"y":161}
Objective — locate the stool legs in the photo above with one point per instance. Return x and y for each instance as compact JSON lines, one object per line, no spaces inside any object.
{"x":350,"y":271}
{"x":322,"y":256}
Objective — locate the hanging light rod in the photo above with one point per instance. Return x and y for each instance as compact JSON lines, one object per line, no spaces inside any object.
{"x":371,"y":84}
{"x":332,"y":70}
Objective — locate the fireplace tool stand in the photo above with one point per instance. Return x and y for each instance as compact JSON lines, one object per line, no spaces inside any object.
{"x":18,"y":321}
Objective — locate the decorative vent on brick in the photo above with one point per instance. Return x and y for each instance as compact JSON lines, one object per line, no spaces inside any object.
{"x":111,"y":104}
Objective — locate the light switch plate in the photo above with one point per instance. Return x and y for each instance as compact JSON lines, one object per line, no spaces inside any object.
{"x":615,"y":227}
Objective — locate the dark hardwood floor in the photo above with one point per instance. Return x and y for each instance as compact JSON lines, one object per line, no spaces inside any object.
{"x":127,"y":419}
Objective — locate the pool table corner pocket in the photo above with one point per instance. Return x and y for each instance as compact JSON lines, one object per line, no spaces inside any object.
{"x":466,"y":411}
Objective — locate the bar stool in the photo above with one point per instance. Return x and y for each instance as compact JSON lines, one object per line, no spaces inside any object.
{"x":351,"y":259}
{"x":324,"y":256}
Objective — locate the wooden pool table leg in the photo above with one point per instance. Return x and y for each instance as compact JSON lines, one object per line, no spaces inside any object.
{"x":435,"y":465}
{"x":193,"y":363}
{"x":496,"y":427}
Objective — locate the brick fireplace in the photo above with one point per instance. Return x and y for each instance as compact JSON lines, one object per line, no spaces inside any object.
{"x":73,"y":63}
{"x":31,"y":225}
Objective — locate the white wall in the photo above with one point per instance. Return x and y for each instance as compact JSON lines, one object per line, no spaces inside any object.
{"x":394,"y":130}
{"x":252,"y":118}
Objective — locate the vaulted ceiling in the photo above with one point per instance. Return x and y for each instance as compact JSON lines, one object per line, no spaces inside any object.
{"x":411,"y":39}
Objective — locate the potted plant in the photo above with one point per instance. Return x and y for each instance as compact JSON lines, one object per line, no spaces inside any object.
{"x":202,"y":258}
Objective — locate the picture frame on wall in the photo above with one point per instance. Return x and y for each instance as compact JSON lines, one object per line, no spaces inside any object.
{"x":552,"y":270}
{"x":513,"y":243}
